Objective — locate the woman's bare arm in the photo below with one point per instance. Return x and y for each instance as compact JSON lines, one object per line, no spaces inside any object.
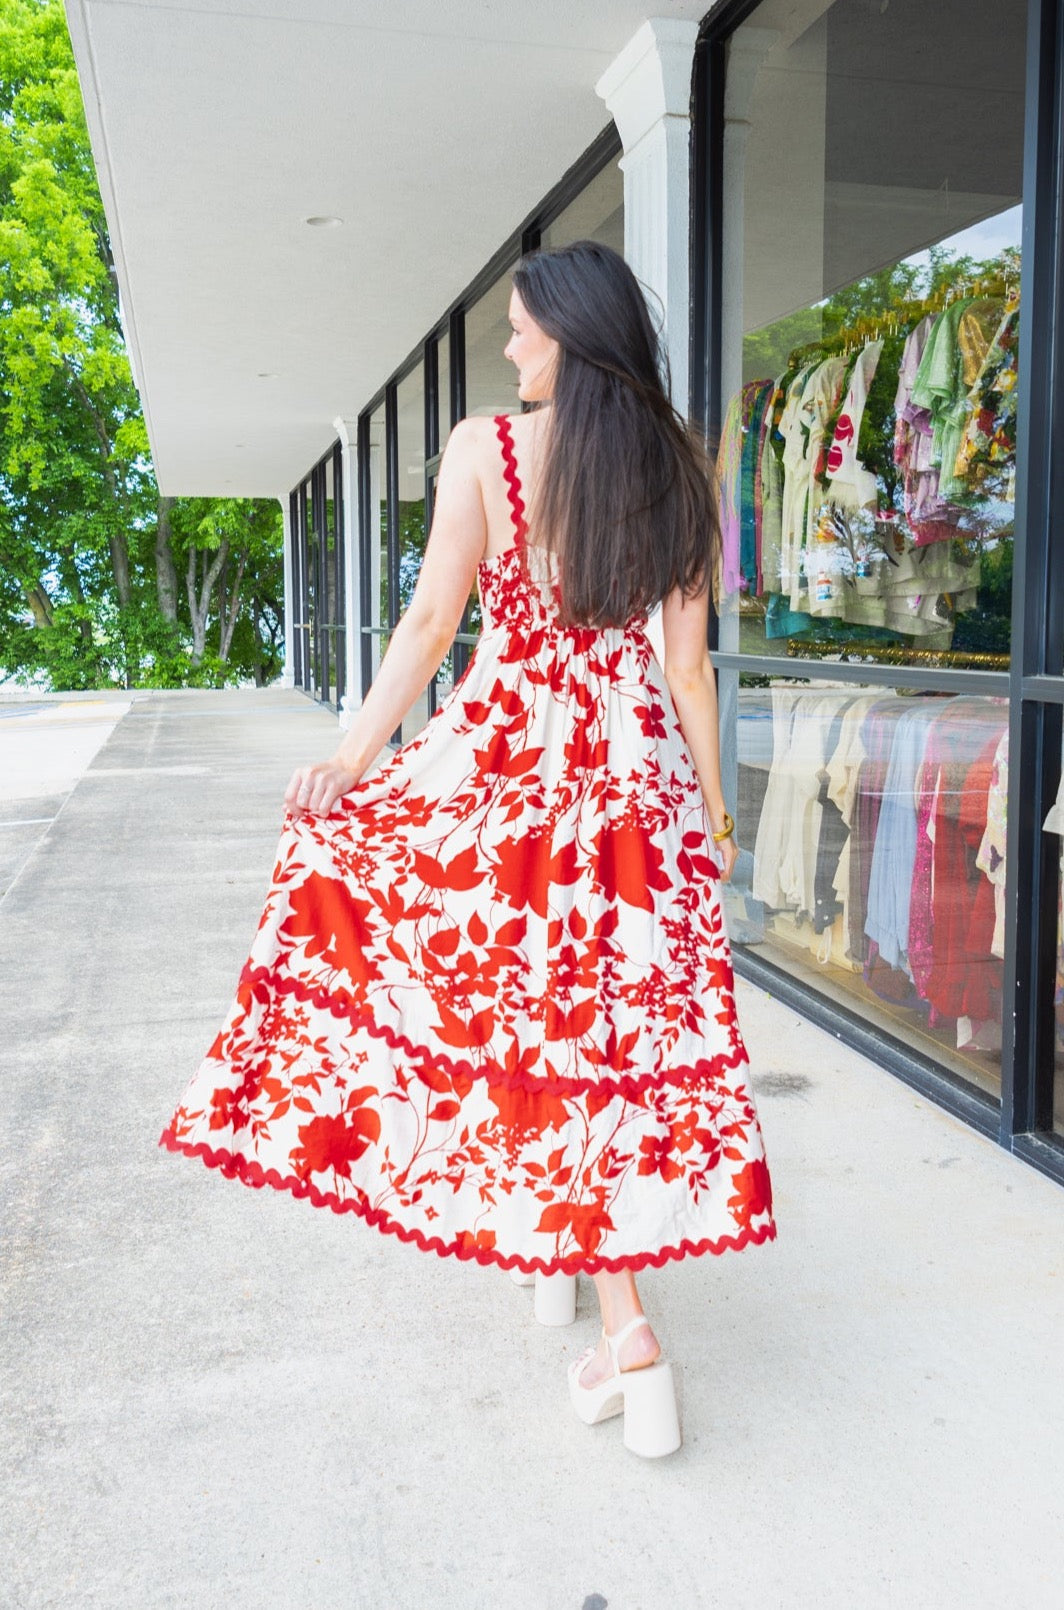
{"x":424,"y":633}
{"x":690,"y":678}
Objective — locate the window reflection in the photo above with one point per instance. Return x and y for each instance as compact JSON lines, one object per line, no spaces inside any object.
{"x":491,"y":380}
{"x":597,"y":213}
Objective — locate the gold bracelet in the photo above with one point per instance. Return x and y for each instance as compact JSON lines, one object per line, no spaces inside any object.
{"x":726,"y":831}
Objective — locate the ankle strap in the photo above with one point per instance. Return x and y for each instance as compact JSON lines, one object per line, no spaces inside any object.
{"x":616,"y":1342}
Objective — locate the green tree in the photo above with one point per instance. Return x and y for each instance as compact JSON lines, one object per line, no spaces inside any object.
{"x":103,"y":580}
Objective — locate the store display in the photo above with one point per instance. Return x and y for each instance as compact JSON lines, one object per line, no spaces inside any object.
{"x":880,"y":844}
{"x":875,"y":518}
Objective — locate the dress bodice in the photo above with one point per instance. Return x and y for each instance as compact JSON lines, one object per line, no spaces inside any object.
{"x":519,"y":587}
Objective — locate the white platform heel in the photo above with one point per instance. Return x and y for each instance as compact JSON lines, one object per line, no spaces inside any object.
{"x":646,"y":1398}
{"x":555,"y":1299}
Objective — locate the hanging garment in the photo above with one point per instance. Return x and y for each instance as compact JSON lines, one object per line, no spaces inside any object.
{"x":964,"y":978}
{"x":927,"y":362}
{"x":991,"y":856}
{"x":894,"y":852}
{"x":489,"y":1005}
{"x":850,"y":484}
{"x":877,"y":737}
{"x":988,"y":442}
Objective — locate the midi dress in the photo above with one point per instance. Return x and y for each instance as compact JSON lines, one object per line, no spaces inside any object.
{"x":489,"y":1005}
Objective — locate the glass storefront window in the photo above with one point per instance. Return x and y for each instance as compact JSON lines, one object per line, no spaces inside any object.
{"x":873,"y":826}
{"x":491,"y":380}
{"x":313,"y":595}
{"x":410,"y":440}
{"x":872,"y":185}
{"x":443,"y":369}
{"x":376,"y":542}
{"x":597,"y":213}
{"x":1054,"y":823}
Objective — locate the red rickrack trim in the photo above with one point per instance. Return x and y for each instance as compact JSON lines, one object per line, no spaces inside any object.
{"x":233,"y":1166}
{"x":631,"y":1086}
{"x":513,"y":485}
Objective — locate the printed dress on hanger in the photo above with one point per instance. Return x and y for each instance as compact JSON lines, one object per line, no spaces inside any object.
{"x":489,"y":1004}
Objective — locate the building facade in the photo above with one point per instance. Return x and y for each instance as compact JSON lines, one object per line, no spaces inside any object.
{"x":848,"y":214}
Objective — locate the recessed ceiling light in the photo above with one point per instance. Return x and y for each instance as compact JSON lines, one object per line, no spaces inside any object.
{"x":324,"y":221}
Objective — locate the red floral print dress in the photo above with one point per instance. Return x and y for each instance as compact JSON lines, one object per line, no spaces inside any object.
{"x":489,"y":1004}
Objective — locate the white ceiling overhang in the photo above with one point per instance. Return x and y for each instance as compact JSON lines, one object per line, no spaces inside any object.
{"x":432,"y":128}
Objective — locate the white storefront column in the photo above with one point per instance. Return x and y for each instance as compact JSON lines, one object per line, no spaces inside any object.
{"x":288,"y":675}
{"x":347,"y":431}
{"x":648,"y":91}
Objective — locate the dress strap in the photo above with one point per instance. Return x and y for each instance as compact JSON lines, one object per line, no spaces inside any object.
{"x":509,"y":471}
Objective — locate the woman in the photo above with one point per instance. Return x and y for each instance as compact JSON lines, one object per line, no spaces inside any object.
{"x":489,"y":1004}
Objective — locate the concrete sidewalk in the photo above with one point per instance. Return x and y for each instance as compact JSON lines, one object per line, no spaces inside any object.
{"x":216,"y":1396}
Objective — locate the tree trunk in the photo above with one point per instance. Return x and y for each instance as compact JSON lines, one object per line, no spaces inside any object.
{"x":116,"y":537}
{"x":68,"y":569}
{"x":199,"y":595}
{"x":165,"y":570}
{"x":41,"y":605}
{"x":229,"y":609}
{"x":256,"y":644}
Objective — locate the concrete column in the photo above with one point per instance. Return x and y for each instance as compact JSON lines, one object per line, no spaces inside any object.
{"x":648,"y":91}
{"x":288,"y":675}
{"x":347,"y":431}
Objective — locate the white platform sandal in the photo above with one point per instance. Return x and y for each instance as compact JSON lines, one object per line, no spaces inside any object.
{"x":555,"y":1299}
{"x":646,"y":1397}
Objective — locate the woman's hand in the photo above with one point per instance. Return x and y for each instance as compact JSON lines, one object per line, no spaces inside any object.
{"x":728,"y":853}
{"x":315,"y":789}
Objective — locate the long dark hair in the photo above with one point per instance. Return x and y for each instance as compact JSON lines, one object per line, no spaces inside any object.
{"x":626,"y":495}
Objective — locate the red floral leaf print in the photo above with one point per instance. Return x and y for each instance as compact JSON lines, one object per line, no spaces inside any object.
{"x":335,"y":1142}
{"x":577,"y":924}
{"x":595,"y":1101}
{"x":529,"y":1112}
{"x":461,"y":873}
{"x":584,"y":756}
{"x":454,"y":1030}
{"x":435,"y":1080}
{"x":562,"y":1025}
{"x":520,"y":872}
{"x":322,"y":911}
{"x":509,"y":702}
{"x":358,"y":1098}
{"x":630,"y":864}
{"x":475,"y":711}
{"x":652,"y":720}
{"x":753,"y":1193}
{"x":565,"y":864}
{"x":483,"y":1241}
{"x":498,"y":760}
{"x":588,"y":1223}
{"x":656,"y":1158}
{"x":477,"y":930}
{"x":444,"y":1110}
{"x":444,"y":943}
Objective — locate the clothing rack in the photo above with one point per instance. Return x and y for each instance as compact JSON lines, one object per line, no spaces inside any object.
{"x":906,"y":315}
{"x":894,"y":654}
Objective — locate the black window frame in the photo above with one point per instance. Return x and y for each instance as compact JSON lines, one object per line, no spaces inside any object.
{"x":450,"y":327}
{"x":1034,"y":685}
